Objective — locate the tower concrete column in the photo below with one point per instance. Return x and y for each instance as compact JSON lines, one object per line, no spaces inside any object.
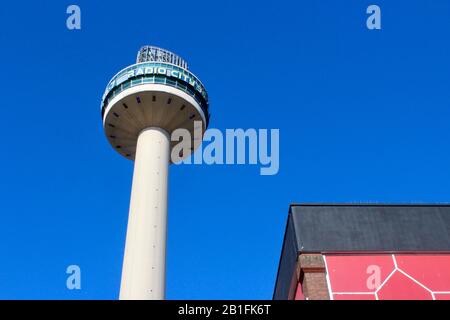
{"x":143,"y":273}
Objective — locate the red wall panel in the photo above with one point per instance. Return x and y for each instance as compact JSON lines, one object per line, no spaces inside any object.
{"x":387,"y":277}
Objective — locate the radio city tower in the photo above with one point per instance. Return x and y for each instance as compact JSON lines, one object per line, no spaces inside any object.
{"x":142,"y":105}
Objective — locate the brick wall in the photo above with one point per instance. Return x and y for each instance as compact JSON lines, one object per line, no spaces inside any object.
{"x":311,"y":277}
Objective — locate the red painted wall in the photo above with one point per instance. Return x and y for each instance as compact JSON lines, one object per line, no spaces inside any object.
{"x":388,"y":277}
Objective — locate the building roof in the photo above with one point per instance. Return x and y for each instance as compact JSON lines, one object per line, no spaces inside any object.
{"x":350,"y":228}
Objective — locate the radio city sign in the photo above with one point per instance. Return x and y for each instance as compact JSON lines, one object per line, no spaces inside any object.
{"x":148,"y":68}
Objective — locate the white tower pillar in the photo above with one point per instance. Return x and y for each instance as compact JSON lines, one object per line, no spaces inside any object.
{"x":144,"y":265}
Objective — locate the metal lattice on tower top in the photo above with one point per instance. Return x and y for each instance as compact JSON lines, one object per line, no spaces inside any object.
{"x":156,"y":54}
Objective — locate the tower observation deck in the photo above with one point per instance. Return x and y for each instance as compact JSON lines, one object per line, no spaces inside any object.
{"x":140,"y":108}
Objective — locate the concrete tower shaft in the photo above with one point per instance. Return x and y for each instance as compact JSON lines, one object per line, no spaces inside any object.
{"x":144,"y":264}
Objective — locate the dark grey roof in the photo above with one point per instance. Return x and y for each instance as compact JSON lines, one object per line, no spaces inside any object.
{"x":313,"y":228}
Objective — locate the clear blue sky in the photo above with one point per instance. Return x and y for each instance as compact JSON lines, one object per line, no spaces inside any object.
{"x":363,"y":116}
